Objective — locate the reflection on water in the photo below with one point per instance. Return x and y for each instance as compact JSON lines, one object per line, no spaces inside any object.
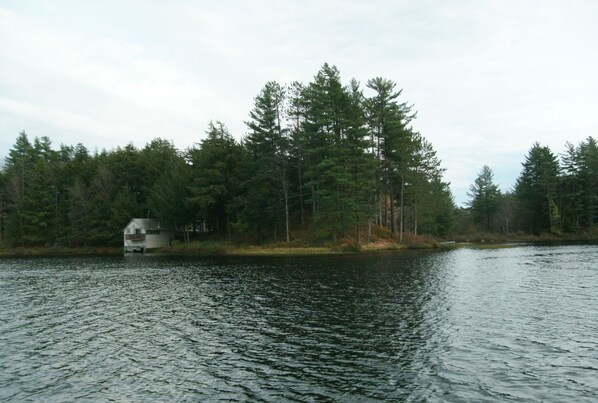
{"x":519,"y":323}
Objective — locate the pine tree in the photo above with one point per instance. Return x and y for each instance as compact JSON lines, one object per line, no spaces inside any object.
{"x":296,"y":115}
{"x":334,"y":140}
{"x":268,"y":145}
{"x":484,"y":199}
{"x":395,"y":147}
{"x":427,"y":195}
{"x":32,"y":192}
{"x":103,"y":191}
{"x":169,"y":194}
{"x":572,"y":189}
{"x":79,"y":210}
{"x":536,"y":191}
{"x":219,"y":169}
{"x":588,"y":173}
{"x":19,"y":164}
{"x":580,"y":185}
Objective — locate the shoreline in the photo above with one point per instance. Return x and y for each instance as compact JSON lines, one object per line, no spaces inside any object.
{"x":229,"y":249}
{"x":37,"y":251}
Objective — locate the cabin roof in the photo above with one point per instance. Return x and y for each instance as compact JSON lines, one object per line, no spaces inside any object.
{"x":146,"y":223}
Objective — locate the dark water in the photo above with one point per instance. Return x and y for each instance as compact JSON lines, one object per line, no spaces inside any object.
{"x":510,"y":324}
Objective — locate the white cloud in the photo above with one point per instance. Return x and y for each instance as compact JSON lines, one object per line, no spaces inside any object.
{"x":95,"y":86}
{"x":488,"y":78}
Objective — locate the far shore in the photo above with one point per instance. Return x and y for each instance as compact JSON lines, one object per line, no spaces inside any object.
{"x":220,"y":248}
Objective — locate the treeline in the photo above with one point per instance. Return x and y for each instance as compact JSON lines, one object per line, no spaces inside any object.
{"x":321,"y":159}
{"x":552,"y":195}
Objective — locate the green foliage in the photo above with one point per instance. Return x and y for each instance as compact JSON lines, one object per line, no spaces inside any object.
{"x":266,"y":202}
{"x":319,"y":158}
{"x":408,"y":174}
{"x":537,"y":189}
{"x":169,"y":194}
{"x":339,"y":170}
{"x":484,"y":199}
{"x":555,"y":218}
{"x":219,"y":167}
{"x":579,"y":185}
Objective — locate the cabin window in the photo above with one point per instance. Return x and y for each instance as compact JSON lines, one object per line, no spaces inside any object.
{"x":138,"y":231}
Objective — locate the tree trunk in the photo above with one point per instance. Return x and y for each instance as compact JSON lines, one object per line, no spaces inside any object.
{"x":228,"y":234}
{"x":380,"y":222}
{"x":358,"y":232}
{"x":385,"y":211}
{"x":402,"y":210}
{"x":300,"y":193}
{"x":313,"y":203}
{"x":286,"y":209}
{"x":393,"y":221}
{"x":415,"y":219}
{"x":369,"y":220}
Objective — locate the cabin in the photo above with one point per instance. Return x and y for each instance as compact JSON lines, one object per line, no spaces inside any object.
{"x":144,"y":235}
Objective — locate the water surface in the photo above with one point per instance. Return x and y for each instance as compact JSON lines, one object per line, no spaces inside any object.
{"x":510,"y":324}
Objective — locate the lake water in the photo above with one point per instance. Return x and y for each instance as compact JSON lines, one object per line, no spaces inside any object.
{"x":506,"y":324}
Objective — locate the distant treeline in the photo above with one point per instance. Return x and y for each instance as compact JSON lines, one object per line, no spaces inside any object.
{"x":552,"y":195}
{"x":320,"y":159}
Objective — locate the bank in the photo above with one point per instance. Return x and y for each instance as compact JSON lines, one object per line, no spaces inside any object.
{"x":348,"y":246}
{"x":59,"y":251}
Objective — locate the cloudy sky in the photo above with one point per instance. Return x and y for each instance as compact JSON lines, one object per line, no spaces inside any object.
{"x":488,"y":78}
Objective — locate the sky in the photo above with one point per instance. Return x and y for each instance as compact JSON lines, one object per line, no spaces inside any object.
{"x":487,"y":78}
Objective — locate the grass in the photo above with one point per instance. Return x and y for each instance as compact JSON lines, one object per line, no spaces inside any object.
{"x":382,"y":245}
{"x":59,"y":251}
{"x":520,"y":237}
{"x":381,"y":241}
{"x":303,"y":243}
{"x":228,"y":248}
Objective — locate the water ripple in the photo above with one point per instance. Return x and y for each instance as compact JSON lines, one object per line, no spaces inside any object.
{"x":512,"y":324}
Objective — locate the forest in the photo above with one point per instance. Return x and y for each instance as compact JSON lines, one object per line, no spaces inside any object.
{"x":554,"y":194}
{"x":321,"y":161}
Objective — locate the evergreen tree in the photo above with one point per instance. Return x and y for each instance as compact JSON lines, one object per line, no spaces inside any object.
{"x":353,"y":160}
{"x":17,"y":171}
{"x":22,"y":152}
{"x":80,"y":170}
{"x":385,"y":122}
{"x":40,"y":201}
{"x":395,"y":147}
{"x":103,"y":193}
{"x":333,"y":140}
{"x":296,"y":120}
{"x":587,"y":157}
{"x":80,"y":204}
{"x":580,"y":185}
{"x":536,"y":191}
{"x":506,"y":211}
{"x":169,"y":194}
{"x":268,"y":144}
{"x":219,"y":169}
{"x":484,"y":199}
{"x":428,"y":197}
{"x":31,"y":192}
{"x":437,"y":214}
{"x":130,"y":171}
{"x":572,"y":190}
{"x":360,"y":162}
